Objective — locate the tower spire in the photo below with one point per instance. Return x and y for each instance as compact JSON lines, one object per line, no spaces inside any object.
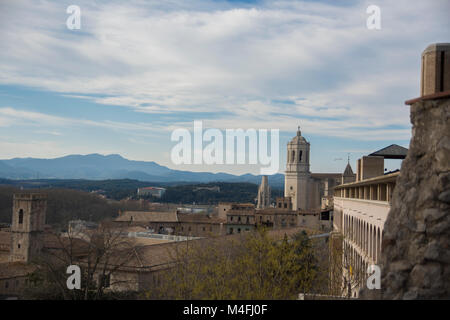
{"x":299,"y":133}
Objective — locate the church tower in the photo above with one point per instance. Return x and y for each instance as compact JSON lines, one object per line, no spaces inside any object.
{"x":297,"y":175}
{"x":27,"y":226}
{"x":263,"y":194}
{"x":348,"y":175}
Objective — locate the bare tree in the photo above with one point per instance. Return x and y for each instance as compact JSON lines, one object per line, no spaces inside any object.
{"x":99,"y":253}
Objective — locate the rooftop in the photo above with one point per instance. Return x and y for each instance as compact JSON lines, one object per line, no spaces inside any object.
{"x":298,"y":139}
{"x":348,"y":170}
{"x":394,"y":151}
{"x":148,"y":216}
{"x":198,"y":217}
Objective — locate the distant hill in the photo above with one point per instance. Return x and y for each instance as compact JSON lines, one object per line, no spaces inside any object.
{"x":114,"y":166}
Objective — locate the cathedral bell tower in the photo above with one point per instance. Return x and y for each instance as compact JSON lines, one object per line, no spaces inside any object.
{"x":297,"y":175}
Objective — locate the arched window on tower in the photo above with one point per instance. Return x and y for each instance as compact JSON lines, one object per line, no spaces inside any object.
{"x":293,"y":156}
{"x":20,"y":216}
{"x":300,"y":156}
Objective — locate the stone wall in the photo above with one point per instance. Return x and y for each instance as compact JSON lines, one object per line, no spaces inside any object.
{"x":415,"y":250}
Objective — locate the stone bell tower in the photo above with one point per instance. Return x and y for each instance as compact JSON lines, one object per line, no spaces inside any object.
{"x":297,"y":175}
{"x":263,"y":194}
{"x":27,"y":226}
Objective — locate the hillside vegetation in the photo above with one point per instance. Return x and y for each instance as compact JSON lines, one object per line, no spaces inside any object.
{"x":64,"y":205}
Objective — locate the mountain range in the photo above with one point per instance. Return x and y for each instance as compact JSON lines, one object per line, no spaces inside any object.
{"x":114,"y":166}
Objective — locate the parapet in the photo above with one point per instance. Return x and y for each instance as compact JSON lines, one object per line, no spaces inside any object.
{"x":30,"y":196}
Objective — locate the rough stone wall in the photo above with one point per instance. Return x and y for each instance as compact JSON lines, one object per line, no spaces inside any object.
{"x":415,"y":250}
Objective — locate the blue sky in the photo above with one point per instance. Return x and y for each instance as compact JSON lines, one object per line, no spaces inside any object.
{"x":137,"y":70}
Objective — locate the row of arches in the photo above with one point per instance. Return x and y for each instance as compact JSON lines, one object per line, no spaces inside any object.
{"x":365,"y":235}
{"x":356,"y":266}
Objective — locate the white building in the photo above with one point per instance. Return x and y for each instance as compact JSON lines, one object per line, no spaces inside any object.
{"x":151,"y":191}
{"x":360,"y":211}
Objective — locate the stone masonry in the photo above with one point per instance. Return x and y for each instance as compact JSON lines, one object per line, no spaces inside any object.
{"x":416,"y":252}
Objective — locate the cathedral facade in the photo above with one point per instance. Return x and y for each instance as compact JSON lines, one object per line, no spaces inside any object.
{"x":305,"y":189}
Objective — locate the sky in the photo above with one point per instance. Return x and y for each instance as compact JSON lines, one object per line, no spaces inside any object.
{"x":138,"y":70}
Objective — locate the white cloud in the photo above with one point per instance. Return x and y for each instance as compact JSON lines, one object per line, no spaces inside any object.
{"x":200,"y":56}
{"x":14,"y":117}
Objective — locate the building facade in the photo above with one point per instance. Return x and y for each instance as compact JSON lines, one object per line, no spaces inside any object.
{"x":307,"y":190}
{"x":360,"y":211}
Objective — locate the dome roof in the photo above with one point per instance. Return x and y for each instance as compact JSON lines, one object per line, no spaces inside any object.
{"x":298,"y":139}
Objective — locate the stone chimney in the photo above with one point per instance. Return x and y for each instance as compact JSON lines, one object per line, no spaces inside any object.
{"x":435,"y":75}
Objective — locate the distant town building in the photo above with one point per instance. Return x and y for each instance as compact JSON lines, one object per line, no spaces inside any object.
{"x":213,"y":189}
{"x":193,"y":209}
{"x":81,"y":228}
{"x":151,"y":191}
{"x":240,"y":217}
{"x":174,"y":222}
